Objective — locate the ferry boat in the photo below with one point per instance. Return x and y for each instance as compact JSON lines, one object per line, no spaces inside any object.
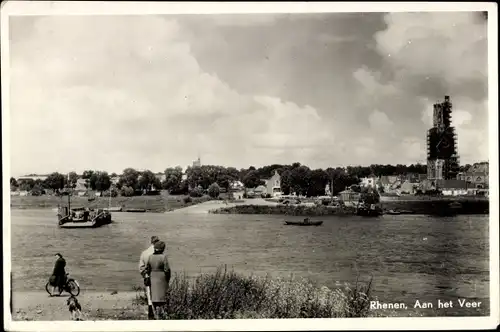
{"x":80,"y":217}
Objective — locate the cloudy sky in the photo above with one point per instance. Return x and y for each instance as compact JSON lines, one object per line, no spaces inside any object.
{"x":110,"y":92}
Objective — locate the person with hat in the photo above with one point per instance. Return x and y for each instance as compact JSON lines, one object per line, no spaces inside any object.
{"x":142,"y":269}
{"x":145,"y":255}
{"x":158,"y":270}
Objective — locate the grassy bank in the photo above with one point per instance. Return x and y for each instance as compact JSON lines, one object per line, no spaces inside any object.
{"x":228,"y":295}
{"x":292,"y":210}
{"x":158,"y":203}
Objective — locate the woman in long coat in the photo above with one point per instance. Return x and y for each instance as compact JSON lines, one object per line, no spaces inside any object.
{"x":158,"y":269}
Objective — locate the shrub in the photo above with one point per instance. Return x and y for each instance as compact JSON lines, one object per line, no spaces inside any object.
{"x":214,"y":190}
{"x":284,"y":209}
{"x":228,"y":295}
{"x":113,"y":191}
{"x":187,"y":200}
{"x":196,"y":192}
{"x":127,"y":191}
{"x":37,"y":190}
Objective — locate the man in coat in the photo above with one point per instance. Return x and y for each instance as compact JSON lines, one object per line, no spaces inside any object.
{"x":145,"y":255}
{"x":142,"y":269}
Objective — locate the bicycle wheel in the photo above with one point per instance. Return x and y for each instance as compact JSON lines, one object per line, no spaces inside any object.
{"x":48,"y":288}
{"x":73,"y":287}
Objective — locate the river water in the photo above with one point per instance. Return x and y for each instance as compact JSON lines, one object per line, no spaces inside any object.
{"x":410,"y":257}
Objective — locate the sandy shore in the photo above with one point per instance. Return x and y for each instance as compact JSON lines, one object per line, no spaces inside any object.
{"x":38,"y":306}
{"x":205,"y":207}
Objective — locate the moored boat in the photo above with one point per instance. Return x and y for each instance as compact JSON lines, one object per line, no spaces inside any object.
{"x":393,"y":212}
{"x":114,"y":209}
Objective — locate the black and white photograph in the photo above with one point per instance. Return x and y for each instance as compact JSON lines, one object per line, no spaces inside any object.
{"x":249,"y":166}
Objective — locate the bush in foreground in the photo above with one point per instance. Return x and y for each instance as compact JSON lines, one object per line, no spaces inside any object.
{"x":228,"y":295}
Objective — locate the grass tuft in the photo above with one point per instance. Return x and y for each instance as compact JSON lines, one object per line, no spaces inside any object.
{"x":229,"y":295}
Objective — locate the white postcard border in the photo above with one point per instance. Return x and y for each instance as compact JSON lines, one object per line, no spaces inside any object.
{"x":145,"y":8}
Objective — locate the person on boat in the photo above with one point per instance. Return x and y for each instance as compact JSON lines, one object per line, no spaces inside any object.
{"x":58,"y":278}
{"x":158,"y":271}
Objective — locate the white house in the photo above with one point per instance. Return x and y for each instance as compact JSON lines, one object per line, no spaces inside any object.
{"x":369,"y":181}
{"x":453,"y":187}
{"x":273,"y":185}
{"x":81,"y":185}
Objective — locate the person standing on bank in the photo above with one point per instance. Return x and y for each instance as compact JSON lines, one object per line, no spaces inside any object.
{"x":145,"y":255}
{"x":158,"y":270}
{"x":142,"y":269}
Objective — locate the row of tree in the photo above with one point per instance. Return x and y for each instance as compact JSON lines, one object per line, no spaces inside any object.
{"x":95,"y":180}
{"x":295,"y":178}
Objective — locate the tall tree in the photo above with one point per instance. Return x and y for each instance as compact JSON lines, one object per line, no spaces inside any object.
{"x":286,"y":181}
{"x":100,"y":181}
{"x":87,"y":174}
{"x":55,"y":181}
{"x":252,"y":180}
{"x":148,"y":180}
{"x":129,"y":178}
{"x":300,"y":179}
{"x":173,"y":178}
{"x":27,"y":184}
{"x":318,"y":182}
{"x":13,"y":184}
{"x":73,"y":178}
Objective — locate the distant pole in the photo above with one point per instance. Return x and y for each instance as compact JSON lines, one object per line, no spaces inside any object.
{"x":331,"y":187}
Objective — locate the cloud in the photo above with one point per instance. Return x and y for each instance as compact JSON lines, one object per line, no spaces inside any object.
{"x":156,"y":91}
{"x":380,"y":121}
{"x":449,"y":46}
{"x":131,"y":93}
{"x":426,"y":56}
{"x":232,"y":20}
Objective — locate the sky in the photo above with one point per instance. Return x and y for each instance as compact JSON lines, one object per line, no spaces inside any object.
{"x":327,"y":89}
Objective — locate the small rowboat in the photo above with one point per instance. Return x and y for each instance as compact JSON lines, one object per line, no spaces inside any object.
{"x":393,"y":212}
{"x":135,"y":210}
{"x":306,"y":222}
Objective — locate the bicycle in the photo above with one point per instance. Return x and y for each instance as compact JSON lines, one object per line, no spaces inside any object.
{"x":71,"y":286}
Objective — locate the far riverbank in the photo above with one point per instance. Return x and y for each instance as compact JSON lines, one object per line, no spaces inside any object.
{"x":158,"y":203}
{"x":433,"y":206}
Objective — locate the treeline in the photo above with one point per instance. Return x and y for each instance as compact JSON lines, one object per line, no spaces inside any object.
{"x":295,"y":178}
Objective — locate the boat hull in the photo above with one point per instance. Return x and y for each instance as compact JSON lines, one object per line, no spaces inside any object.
{"x":300,"y":223}
{"x":101,"y":220}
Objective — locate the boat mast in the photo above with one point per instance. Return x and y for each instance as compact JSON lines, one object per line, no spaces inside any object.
{"x":69,"y":195}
